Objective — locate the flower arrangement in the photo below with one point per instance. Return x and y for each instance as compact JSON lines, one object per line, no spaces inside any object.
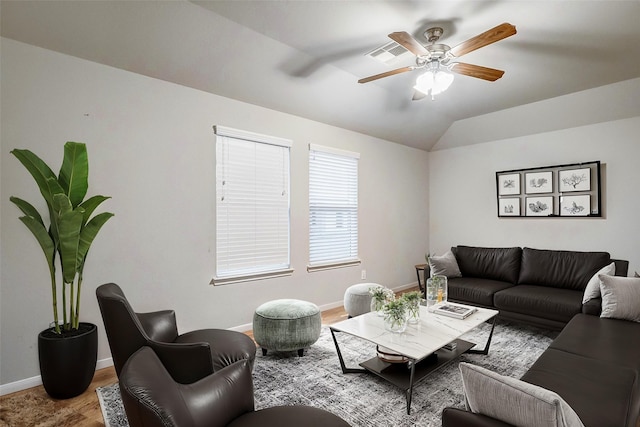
{"x":395,"y":315}
{"x":380,"y":293}
{"x":379,"y":296}
{"x":412,"y":299}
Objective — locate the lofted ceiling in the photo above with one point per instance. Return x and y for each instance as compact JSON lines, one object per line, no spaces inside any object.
{"x":305,"y":57}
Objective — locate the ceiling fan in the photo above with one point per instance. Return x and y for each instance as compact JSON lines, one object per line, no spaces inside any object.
{"x":440,"y":59}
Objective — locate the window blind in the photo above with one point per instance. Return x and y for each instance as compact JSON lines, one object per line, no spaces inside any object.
{"x":252,"y":204}
{"x":333,"y":206}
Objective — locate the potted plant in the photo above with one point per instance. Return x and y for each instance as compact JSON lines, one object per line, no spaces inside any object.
{"x":380,"y":295}
{"x":412,"y":299}
{"x":395,"y":315}
{"x":67,"y":350}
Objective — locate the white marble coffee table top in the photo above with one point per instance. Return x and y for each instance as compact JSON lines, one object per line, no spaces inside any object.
{"x":419,"y":340}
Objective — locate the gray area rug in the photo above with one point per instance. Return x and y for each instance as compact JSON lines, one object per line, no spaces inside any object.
{"x":363,"y":399}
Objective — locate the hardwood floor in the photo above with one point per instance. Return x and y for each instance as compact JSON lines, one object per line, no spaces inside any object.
{"x":33,"y":407}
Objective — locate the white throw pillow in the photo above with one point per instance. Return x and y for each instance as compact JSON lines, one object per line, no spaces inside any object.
{"x":620,"y":297}
{"x":445,"y":265}
{"x":592,"y":290}
{"x":513,"y":401}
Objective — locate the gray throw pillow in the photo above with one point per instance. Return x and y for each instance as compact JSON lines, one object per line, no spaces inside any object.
{"x":445,"y":265}
{"x":620,"y":297}
{"x":592,"y":290}
{"x":513,"y":401}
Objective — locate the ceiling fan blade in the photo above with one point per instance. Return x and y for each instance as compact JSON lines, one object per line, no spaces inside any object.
{"x":403,"y":38}
{"x":417,"y":95}
{"x":477,"y":71}
{"x":493,"y":35}
{"x":386,"y":74}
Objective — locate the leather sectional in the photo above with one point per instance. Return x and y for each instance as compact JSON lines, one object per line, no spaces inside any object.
{"x":539,"y":287}
{"x":593,"y":364}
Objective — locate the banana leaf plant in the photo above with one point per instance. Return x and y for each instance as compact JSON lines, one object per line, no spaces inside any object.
{"x":70,"y":230}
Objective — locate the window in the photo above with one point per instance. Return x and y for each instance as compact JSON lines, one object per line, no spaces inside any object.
{"x":252,"y":206}
{"x":333,"y":208}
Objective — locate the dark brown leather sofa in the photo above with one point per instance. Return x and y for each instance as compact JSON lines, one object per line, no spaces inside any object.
{"x":224,"y":398}
{"x":540,"y":287}
{"x":593,"y":364}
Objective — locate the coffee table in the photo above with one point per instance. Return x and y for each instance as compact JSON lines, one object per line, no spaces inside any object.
{"x":422,"y":344}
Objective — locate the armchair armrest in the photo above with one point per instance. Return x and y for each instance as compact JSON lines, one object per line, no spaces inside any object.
{"x":454,"y":417}
{"x":185,"y":362}
{"x":222,"y":397}
{"x":159,"y":325}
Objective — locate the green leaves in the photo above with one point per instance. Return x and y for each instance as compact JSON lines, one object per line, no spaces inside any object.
{"x":71,"y":229}
{"x":38,"y":170}
{"x":74,"y":172}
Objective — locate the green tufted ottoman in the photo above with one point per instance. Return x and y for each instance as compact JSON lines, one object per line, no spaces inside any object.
{"x":286,"y":325}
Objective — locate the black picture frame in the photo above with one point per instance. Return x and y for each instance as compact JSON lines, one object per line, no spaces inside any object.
{"x":568,"y":190}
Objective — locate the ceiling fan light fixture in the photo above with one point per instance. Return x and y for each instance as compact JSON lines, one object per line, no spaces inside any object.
{"x":434,"y":81}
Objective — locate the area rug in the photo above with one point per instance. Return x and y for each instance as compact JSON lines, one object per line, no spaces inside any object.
{"x":363,"y":399}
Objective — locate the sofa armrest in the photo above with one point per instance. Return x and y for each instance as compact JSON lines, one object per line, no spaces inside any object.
{"x":159,"y":325}
{"x":622,"y":267}
{"x":454,"y":417}
{"x":593,"y":307}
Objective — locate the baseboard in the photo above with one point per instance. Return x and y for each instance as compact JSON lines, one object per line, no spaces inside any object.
{"x":104,"y":363}
{"x":37,"y":380}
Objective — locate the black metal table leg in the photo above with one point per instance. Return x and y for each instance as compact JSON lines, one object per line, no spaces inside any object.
{"x":409,"y":392}
{"x":345,"y":370}
{"x":485,"y":350}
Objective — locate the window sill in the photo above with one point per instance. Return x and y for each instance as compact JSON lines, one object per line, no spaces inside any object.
{"x":217,"y":281}
{"x":321,"y":267}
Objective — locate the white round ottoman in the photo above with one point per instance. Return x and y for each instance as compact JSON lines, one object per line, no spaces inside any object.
{"x":357,"y":299}
{"x":286,"y":325}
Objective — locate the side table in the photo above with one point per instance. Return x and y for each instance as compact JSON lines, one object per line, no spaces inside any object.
{"x":422,"y":284}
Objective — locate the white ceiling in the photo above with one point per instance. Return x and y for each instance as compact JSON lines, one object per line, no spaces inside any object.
{"x":305,"y":57}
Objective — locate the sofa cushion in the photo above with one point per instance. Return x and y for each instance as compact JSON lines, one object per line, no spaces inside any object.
{"x":560,"y":269}
{"x":474,"y":290}
{"x":602,"y":393}
{"x":489,"y":263}
{"x":445,"y":265}
{"x":513,"y":401}
{"x":609,"y":340}
{"x":593,"y":286}
{"x":620,"y":297}
{"x":540,"y":301}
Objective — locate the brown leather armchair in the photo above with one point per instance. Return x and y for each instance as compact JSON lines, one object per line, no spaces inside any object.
{"x":187,"y":357}
{"x":225,"y":398}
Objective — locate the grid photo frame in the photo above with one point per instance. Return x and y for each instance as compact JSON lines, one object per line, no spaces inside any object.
{"x":561,"y":191}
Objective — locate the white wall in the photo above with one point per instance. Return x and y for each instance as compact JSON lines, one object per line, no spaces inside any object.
{"x":151,"y":147}
{"x":462,"y":204}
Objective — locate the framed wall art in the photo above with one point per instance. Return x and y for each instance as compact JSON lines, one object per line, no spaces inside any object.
{"x":539,"y":206}
{"x":538,"y":182}
{"x":509,"y":184}
{"x":574,"y":180}
{"x":509,"y":206}
{"x":561,"y":191}
{"x":575,"y":205}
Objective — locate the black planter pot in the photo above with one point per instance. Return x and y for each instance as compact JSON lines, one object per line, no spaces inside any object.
{"x":68,"y":362}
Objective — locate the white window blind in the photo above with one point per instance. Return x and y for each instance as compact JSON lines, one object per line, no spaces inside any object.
{"x":333,"y":207}
{"x":252,"y":205}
